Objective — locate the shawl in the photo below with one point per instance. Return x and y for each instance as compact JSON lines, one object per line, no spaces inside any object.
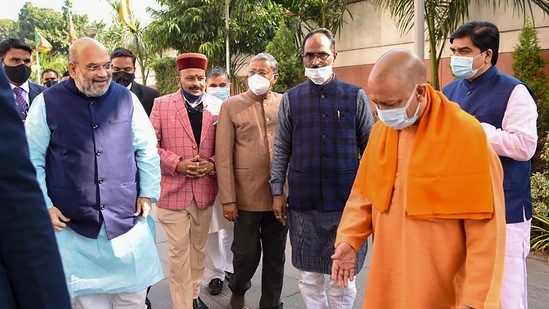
{"x":448,"y":172}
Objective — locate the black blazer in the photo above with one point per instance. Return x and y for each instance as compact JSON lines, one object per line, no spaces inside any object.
{"x":31,"y":275}
{"x":146,"y":95}
{"x":34,"y":91}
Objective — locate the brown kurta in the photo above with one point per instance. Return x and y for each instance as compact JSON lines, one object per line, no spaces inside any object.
{"x":427,"y":263}
{"x":244,"y":147}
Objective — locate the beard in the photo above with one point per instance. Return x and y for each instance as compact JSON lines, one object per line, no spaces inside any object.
{"x":90,"y":89}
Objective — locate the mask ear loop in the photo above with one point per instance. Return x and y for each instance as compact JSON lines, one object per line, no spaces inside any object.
{"x":417,"y":109}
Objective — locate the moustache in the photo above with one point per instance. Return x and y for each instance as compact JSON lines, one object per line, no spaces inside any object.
{"x":99,"y":80}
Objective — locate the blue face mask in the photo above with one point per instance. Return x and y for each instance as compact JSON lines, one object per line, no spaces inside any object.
{"x":463,"y":66}
{"x":191,"y":98}
{"x":397,"y":118}
{"x":221,"y":93}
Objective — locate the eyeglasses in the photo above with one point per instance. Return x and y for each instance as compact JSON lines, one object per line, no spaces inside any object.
{"x":312,"y":56}
{"x":92,"y":68}
{"x":260,"y":73}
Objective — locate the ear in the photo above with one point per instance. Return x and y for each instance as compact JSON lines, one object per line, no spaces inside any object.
{"x":335,"y":55}
{"x":489,"y":53}
{"x":421,"y":92}
{"x":71,"y":68}
{"x":275,"y":78}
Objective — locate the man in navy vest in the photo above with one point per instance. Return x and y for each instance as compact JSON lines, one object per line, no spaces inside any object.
{"x":323,"y":126}
{"x":507,"y":111}
{"x":95,"y":154}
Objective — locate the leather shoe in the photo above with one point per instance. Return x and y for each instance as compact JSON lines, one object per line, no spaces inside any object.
{"x":215,"y":286}
{"x":237,"y":301}
{"x":199,"y":304}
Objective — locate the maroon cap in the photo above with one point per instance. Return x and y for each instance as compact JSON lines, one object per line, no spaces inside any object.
{"x":191,"y":61}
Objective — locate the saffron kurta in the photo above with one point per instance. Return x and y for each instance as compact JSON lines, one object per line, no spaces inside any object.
{"x":427,"y":263}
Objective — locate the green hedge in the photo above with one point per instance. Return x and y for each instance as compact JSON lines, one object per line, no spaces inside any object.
{"x":166,"y":74}
{"x":528,"y":66}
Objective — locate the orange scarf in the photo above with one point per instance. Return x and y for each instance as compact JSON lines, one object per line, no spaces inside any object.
{"x":449,"y":169}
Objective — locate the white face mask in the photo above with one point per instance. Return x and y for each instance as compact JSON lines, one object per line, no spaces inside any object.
{"x":463,"y":66}
{"x":258,"y":84}
{"x":397,"y":118}
{"x":319,"y":75}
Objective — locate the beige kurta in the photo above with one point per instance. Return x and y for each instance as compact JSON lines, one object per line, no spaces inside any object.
{"x":427,"y":263}
{"x":244,"y":147}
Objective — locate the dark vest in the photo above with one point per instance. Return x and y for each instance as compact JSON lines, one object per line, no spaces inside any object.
{"x":486,"y":98}
{"x":324,"y":156}
{"x":91,"y":172}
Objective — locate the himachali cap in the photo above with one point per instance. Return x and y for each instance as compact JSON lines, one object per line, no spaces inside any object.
{"x":191,"y":61}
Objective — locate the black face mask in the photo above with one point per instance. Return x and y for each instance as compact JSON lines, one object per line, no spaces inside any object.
{"x":50,"y":82}
{"x":18,"y":74}
{"x":123,"y":78}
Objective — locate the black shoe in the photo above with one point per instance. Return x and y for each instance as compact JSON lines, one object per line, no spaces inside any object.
{"x":148,"y":303}
{"x":215,"y":286}
{"x":280,"y":306}
{"x":198,"y":304}
{"x":237,"y":301}
{"x":228,"y":276}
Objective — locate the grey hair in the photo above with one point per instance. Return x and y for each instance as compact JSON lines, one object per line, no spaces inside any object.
{"x":217,"y":71}
{"x":268,"y":57}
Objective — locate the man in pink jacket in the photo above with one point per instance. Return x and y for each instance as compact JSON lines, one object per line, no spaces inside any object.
{"x":185,"y":129}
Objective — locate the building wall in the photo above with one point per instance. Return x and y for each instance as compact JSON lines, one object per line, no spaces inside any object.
{"x":369,"y":34}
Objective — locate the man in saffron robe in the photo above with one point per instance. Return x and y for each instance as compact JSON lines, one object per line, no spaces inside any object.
{"x":429,"y":189}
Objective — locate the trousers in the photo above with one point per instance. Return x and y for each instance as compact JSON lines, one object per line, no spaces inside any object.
{"x":311,"y":287}
{"x":187,"y":232}
{"x":110,"y":301}
{"x":514,"y":294}
{"x":256,"y":233}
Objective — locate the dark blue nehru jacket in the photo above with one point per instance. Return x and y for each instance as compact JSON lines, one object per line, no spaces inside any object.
{"x":324,"y":157}
{"x":486,"y":98}
{"x":91,"y":172}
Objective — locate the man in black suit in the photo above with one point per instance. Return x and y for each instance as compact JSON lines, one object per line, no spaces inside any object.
{"x":31,"y":275}
{"x":16,"y":58}
{"x":50,"y":77}
{"x":123,"y":61}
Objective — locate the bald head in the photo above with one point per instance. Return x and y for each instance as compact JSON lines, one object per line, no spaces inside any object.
{"x":85,"y":46}
{"x":90,"y":67}
{"x":400,"y":66}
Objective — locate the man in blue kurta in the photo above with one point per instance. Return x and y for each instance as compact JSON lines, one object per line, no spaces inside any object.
{"x":95,"y":154}
{"x":323,"y":125}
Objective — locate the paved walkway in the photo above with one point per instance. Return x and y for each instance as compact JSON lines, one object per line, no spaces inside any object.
{"x":538,"y":283}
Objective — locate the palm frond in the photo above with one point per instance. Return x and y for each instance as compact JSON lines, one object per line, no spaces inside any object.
{"x":540,"y":233}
